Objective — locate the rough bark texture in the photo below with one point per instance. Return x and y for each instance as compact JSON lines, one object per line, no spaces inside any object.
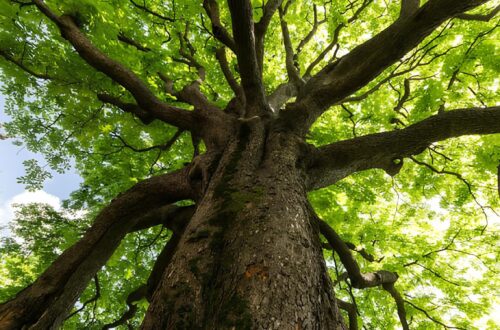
{"x":250,"y":257}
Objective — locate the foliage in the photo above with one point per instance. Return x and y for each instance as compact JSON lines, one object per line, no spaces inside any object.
{"x":434,"y":223}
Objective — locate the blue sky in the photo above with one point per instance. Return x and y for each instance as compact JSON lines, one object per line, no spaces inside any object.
{"x":11,"y":167}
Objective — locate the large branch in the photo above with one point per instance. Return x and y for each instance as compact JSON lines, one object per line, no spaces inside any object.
{"x":45,"y":303}
{"x":335,"y":161}
{"x":353,"y":71}
{"x":116,"y":71}
{"x":250,"y":72}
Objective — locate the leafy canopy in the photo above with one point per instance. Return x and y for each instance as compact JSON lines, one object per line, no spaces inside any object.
{"x":433,"y":224}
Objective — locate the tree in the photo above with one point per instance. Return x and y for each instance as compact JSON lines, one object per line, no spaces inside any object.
{"x":260,"y":134}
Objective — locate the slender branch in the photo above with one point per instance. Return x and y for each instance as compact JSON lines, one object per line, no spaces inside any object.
{"x":362,"y":280}
{"x":461,"y":178}
{"x":404,"y":97}
{"x":116,"y":71}
{"x":323,"y":54}
{"x":123,"y":38}
{"x":220,"y":54}
{"x":335,"y":161}
{"x":312,"y":32}
{"x":292,"y":70}
{"x":167,"y":145}
{"x":191,"y":93}
{"x":132,"y":108}
{"x":430,"y":317}
{"x":187,"y":51}
{"x":447,"y":247}
{"x":151,"y":12}
{"x":261,"y":28}
{"x":96,"y":296}
{"x":132,"y":297}
{"x":20,"y":64}
{"x":358,"y":280}
{"x":334,"y":42}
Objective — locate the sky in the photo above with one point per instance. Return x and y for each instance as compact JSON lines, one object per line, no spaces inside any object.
{"x":54,"y":191}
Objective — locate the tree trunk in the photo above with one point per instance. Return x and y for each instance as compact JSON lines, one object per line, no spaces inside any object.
{"x":250,"y":257}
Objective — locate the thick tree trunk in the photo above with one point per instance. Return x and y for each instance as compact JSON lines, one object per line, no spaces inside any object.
{"x":250,"y":257}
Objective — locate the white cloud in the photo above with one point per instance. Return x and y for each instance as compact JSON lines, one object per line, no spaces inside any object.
{"x":26,"y":197}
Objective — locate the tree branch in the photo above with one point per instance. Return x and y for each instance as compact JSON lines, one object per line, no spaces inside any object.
{"x":179,"y":217}
{"x":144,"y":116}
{"x":170,"y":216}
{"x":333,"y":162}
{"x":362,"y":280}
{"x":45,"y":303}
{"x":212,"y":9}
{"x":351,"y":312}
{"x":250,"y":72}
{"x":433,"y":319}
{"x":353,"y":71}
{"x":284,"y":92}
{"x":334,"y":42}
{"x":167,"y":145}
{"x":151,"y":12}
{"x":20,"y":64}
{"x":400,"y":305}
{"x":96,"y":296}
{"x":220,"y":54}
{"x":132,"y":297}
{"x":358,"y":280}
{"x":261,"y":28}
{"x":116,"y":71}
{"x":362,"y":252}
{"x":126,"y":40}
{"x":292,"y":70}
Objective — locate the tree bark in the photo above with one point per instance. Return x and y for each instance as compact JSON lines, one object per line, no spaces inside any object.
{"x":250,"y":257}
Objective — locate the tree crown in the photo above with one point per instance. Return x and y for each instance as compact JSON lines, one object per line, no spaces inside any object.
{"x":125,"y":89}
